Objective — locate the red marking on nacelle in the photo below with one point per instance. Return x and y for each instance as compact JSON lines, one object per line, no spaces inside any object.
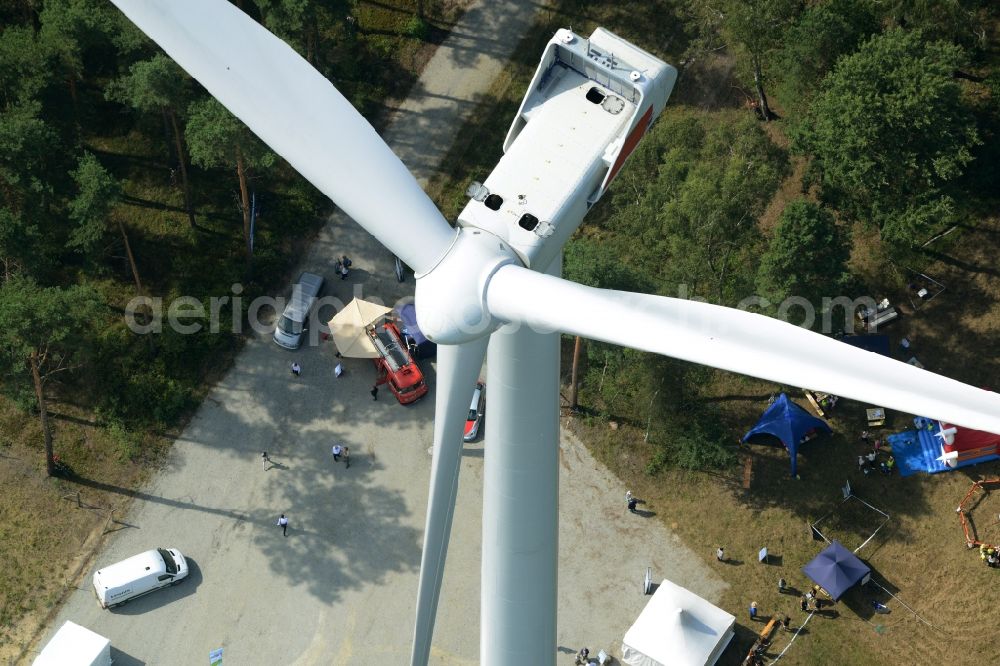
{"x":631,"y":142}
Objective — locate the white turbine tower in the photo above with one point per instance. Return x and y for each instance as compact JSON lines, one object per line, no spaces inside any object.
{"x":493,"y":283}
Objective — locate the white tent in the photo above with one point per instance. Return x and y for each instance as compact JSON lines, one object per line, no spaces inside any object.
{"x":74,"y":645}
{"x":677,"y":628}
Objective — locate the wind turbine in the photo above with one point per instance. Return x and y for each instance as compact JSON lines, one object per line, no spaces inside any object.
{"x":493,"y":282}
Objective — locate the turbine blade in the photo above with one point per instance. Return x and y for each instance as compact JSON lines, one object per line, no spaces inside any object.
{"x":457,"y":371}
{"x":301,"y":116}
{"x":739,"y":341}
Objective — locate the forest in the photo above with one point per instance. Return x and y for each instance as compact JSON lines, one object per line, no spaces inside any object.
{"x":121,"y":177}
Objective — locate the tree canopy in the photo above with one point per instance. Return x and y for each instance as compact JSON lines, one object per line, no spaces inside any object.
{"x":806,"y":257}
{"x":42,"y":330}
{"x":888,"y":130}
{"x":694,"y":227}
{"x":811,"y":46}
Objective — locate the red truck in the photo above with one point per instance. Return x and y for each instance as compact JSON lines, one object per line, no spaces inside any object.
{"x":394,"y":364}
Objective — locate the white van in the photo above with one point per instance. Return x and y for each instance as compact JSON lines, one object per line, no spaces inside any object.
{"x":139,"y":575}
{"x":295,"y":319}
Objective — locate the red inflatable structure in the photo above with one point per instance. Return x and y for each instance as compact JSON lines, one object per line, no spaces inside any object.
{"x":963,"y":446}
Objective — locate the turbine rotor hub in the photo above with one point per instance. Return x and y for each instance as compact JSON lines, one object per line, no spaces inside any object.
{"x":451,"y":297}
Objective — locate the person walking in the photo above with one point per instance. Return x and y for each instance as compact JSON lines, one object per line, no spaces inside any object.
{"x":336,"y":451}
{"x":782,"y":584}
{"x":803,"y":603}
{"x":630,"y":501}
{"x":296,"y":368}
{"x":347,"y":457}
{"x":374,"y":392}
{"x":283,"y":524}
{"x":265,"y":460}
{"x":338,"y":370}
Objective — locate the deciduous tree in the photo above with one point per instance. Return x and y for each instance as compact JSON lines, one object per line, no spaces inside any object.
{"x":806,"y":257}
{"x":752,"y":29}
{"x":889,"y":130}
{"x":811,"y":45}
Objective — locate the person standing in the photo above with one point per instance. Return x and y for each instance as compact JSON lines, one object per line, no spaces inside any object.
{"x":338,"y":370}
{"x":782,"y":584}
{"x":720,"y":554}
{"x":630,"y":501}
{"x":347,"y":457}
{"x":374,"y":392}
{"x":296,"y":368}
{"x":283,"y":524}
{"x":265,"y":460}
{"x":753,"y":610}
{"x":336,"y":451}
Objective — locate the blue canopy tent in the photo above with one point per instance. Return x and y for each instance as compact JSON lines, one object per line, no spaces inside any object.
{"x":878,"y":343}
{"x":837,"y":570}
{"x":789,"y":423}
{"x":424,"y":348}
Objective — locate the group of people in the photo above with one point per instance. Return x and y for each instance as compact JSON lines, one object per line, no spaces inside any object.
{"x":989,"y":555}
{"x":343,"y":266}
{"x":869,"y":462}
{"x":810,"y":601}
{"x":339,"y":452}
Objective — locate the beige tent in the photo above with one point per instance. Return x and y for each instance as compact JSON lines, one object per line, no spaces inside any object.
{"x":348,"y":328}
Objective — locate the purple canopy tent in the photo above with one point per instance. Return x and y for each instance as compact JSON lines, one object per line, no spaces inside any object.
{"x":837,"y":570}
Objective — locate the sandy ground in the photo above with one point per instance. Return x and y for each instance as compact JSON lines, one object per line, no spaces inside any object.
{"x":340,"y":588}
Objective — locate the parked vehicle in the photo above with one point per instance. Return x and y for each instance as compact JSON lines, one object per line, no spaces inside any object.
{"x":139,"y":575}
{"x":74,"y":645}
{"x":394,"y":364}
{"x":476,"y":412}
{"x":294,"y":320}
{"x":418,"y":344}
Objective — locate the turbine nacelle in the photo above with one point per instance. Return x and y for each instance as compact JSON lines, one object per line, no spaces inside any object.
{"x":451,"y":297}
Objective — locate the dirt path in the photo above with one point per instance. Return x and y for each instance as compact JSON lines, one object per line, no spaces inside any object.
{"x":341,"y":587}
